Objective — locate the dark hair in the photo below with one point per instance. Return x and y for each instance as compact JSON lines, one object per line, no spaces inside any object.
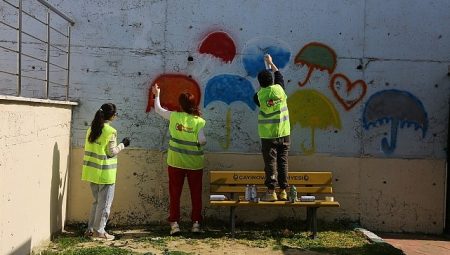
{"x":188,"y":104}
{"x":265,"y":78}
{"x":106,"y":112}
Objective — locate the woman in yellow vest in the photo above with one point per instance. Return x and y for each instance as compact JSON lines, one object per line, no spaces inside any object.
{"x":185,"y":157}
{"x":100,"y":168}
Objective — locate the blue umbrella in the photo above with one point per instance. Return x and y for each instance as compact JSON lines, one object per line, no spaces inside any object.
{"x":253,"y":55}
{"x":229,"y":88}
{"x":401,"y":108}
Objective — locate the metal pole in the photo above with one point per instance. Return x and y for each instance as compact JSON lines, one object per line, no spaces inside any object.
{"x":47,"y":83}
{"x":19,"y":55}
{"x":232,"y":220}
{"x":62,"y":15}
{"x":314,"y":222}
{"x":447,"y":184}
{"x":308,"y":219}
{"x":68,"y":62}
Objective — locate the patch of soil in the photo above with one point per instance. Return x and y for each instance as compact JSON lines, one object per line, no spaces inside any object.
{"x":157,"y":241}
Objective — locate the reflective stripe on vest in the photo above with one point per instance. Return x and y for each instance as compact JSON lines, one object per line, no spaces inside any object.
{"x":94,"y":155}
{"x":273,"y":117}
{"x":100,"y":167}
{"x":97,"y":166}
{"x":184,"y":142}
{"x":270,"y":121}
{"x":184,"y":149}
{"x":265,"y":115}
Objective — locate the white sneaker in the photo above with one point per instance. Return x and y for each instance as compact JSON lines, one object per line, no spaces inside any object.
{"x":102,"y":237}
{"x":195,"y":227}
{"x":174,"y":228}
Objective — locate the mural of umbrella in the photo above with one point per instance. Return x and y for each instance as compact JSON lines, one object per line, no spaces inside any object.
{"x":220,"y":45}
{"x":172,"y":85}
{"x":253,"y":54}
{"x":312,"y":109}
{"x":229,"y":88}
{"x":398,"y":107}
{"x":316,"y":55}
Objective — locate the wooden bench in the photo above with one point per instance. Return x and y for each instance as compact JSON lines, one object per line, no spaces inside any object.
{"x":232,"y":184}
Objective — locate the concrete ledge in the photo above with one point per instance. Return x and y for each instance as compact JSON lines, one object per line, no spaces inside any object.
{"x":36,"y":100}
{"x":370,"y":235}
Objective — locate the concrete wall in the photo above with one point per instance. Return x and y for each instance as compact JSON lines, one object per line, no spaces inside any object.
{"x":121,"y":48}
{"x":383,"y":194}
{"x":34,"y":163}
{"x":374,"y":109}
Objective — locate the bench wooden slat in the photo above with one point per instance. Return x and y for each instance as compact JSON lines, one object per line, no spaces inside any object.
{"x":232,"y":183}
{"x":257,"y":177}
{"x":317,"y":203}
{"x":261,"y":189}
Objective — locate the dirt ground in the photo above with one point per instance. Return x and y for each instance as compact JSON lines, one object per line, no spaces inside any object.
{"x":196,"y":246}
{"x":145,"y":242}
{"x":216,"y":248}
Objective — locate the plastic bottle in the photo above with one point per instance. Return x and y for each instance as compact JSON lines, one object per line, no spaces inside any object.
{"x":293,"y":194}
{"x":253,"y":193}
{"x":247,"y":193}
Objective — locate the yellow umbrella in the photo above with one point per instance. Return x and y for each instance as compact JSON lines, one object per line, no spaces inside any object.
{"x":312,"y":109}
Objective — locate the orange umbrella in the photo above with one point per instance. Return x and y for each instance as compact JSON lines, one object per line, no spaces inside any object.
{"x":172,"y":85}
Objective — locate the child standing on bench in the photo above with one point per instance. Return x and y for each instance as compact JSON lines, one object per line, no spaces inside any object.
{"x":185,"y":157}
{"x":273,"y":129}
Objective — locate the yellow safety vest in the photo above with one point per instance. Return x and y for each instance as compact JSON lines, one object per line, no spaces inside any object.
{"x":273,"y":117}
{"x":98,"y":167}
{"x":184,"y":150}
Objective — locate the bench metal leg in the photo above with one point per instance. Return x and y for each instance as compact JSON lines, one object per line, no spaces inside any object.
{"x":232,"y":220}
{"x":314,"y":222}
{"x":308,"y":219}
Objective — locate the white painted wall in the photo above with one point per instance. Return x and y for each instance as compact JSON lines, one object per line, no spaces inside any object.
{"x":121,"y":46}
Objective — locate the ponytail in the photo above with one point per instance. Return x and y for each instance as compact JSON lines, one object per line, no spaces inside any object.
{"x":188,"y":104}
{"x":106,"y":112}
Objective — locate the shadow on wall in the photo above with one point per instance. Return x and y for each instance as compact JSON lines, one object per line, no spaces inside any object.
{"x":56,"y":193}
{"x":25,"y":248}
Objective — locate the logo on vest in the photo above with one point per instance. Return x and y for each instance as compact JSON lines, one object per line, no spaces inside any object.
{"x":272,"y":102}
{"x":182,"y":128}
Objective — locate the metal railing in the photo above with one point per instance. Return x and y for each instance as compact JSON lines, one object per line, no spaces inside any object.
{"x":48,"y":43}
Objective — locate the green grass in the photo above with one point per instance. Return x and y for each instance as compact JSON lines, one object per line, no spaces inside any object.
{"x":69,"y":241}
{"x":90,"y":251}
{"x":282,"y":235}
{"x":346,"y":242}
{"x":176,"y":253}
{"x":157,"y":242}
